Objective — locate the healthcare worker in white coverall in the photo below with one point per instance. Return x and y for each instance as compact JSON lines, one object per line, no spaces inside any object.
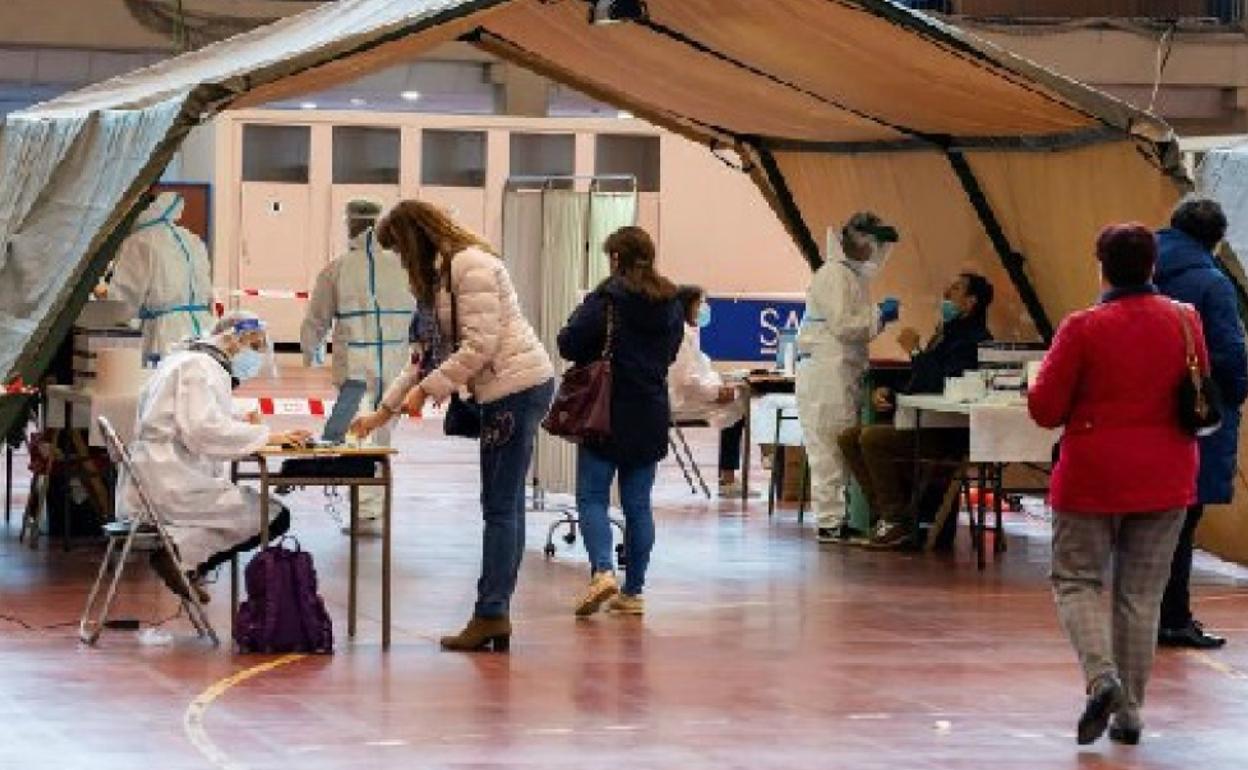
{"x":840,"y":322}
{"x":364,"y":296}
{"x":186,"y":434}
{"x":162,"y":275}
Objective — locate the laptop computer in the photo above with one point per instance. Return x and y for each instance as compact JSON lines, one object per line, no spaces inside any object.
{"x":345,"y":408}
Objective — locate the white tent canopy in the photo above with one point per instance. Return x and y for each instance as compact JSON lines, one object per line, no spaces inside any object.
{"x":984,"y":160}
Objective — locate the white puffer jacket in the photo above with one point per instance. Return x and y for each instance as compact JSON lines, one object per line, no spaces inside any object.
{"x":499,"y":353}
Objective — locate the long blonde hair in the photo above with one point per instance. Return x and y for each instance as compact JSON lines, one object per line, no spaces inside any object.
{"x":420,"y":232}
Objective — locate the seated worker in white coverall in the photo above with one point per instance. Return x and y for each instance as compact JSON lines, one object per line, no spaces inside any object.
{"x":364,"y":296}
{"x":184,"y":436}
{"x":698,"y":392}
{"x":840,"y":322}
{"x":162,"y":275}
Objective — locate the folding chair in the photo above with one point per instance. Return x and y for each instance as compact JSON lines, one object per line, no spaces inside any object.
{"x":146,"y":529}
{"x":777,"y":467}
{"x":684,"y":455}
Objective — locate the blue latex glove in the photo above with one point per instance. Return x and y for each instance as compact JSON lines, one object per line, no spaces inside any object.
{"x":890,"y":310}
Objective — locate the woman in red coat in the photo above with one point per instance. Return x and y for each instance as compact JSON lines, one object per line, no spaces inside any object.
{"x":1126,"y":473}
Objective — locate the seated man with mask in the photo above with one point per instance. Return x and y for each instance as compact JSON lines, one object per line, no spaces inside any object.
{"x":881,"y":456}
{"x":184,"y":436}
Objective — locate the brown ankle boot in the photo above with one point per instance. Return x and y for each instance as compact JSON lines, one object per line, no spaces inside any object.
{"x":481,"y":635}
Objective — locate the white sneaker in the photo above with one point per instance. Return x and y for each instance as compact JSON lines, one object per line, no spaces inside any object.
{"x":601,"y":588}
{"x":364,"y":528}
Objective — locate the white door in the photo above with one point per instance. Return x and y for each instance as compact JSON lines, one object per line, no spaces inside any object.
{"x":275,"y":254}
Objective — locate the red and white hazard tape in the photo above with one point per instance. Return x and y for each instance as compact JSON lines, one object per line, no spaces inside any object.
{"x":300,"y":407}
{"x":262,"y":293}
{"x":286,"y":407}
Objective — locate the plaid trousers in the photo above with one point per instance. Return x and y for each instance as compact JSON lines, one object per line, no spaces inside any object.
{"x":1122,"y":641}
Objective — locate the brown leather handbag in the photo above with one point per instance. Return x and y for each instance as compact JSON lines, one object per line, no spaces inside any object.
{"x":582,"y":407}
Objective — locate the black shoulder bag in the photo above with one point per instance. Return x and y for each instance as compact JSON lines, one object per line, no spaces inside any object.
{"x":1200,"y":399}
{"x":463,"y":415}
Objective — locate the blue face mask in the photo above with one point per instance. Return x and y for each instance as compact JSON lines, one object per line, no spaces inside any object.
{"x":949,"y":311}
{"x":704,"y":315}
{"x":246,"y":364}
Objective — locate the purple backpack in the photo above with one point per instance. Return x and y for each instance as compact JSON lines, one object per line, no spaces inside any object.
{"x":283,"y":612}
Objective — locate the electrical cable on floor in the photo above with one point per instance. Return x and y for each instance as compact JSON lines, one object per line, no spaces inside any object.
{"x":70,"y":623}
{"x":16,"y":622}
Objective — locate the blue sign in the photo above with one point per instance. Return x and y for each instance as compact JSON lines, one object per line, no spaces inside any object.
{"x":747,"y":329}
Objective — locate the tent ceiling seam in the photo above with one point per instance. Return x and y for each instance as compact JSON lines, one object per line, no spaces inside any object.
{"x":1068,"y":140}
{"x":1012,"y":68}
{"x":1013,"y":262}
{"x":500,"y":45}
{"x":788,"y":206}
{"x":681,"y":37}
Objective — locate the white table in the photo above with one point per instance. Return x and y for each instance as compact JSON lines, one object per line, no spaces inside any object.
{"x":69,"y":406}
{"x":1001,"y":432}
{"x":1001,"y":428}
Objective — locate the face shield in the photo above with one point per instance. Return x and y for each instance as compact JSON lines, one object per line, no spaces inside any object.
{"x":254,"y":355}
{"x":871,"y":235}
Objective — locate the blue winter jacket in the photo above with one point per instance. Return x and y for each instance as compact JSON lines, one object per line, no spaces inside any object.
{"x":1187,"y":272}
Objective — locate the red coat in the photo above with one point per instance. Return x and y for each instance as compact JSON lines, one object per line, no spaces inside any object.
{"x":1111,"y":379}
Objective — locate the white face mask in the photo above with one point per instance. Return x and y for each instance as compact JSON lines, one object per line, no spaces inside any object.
{"x":246,"y":364}
{"x":872,"y":266}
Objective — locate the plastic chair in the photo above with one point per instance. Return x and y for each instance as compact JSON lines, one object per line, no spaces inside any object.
{"x":146,"y":529}
{"x":684,"y":455}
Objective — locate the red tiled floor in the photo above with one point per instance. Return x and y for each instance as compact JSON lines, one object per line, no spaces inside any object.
{"x":760,"y":650}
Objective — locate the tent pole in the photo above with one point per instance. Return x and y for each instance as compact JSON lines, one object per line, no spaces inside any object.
{"x":1013,"y":262}
{"x":788,"y":207}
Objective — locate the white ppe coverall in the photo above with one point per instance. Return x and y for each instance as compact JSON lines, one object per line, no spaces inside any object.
{"x":839,"y":323}
{"x":693,"y":386}
{"x":162,"y":275}
{"x":184,"y":439}
{"x":364,"y":296}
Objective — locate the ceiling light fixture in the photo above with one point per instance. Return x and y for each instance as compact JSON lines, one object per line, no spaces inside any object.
{"x":307,"y":105}
{"x":612,"y":11}
{"x":358,"y":102}
{"x":410,"y":96}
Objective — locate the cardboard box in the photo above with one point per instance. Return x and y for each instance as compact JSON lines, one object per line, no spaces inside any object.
{"x":792,"y":477}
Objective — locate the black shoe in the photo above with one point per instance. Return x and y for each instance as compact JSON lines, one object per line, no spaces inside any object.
{"x":1127,"y":735}
{"x":889,"y":536}
{"x":1192,"y":636}
{"x":1105,"y":696}
{"x":839,"y":534}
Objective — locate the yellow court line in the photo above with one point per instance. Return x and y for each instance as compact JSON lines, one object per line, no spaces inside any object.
{"x":193,"y":718}
{"x":1209,"y":661}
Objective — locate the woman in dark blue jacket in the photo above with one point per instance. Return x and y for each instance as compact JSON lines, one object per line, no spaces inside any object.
{"x":647,"y":326}
{"x":1186,"y":271}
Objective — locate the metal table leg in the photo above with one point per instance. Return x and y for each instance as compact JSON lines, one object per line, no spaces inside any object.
{"x":8,"y":483}
{"x":386,"y":509}
{"x":66,"y":498}
{"x":746,"y":449}
{"x":981,"y":518}
{"x":354,"y":568}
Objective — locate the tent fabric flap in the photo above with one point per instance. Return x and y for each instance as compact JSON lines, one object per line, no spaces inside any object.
{"x":85,"y":189}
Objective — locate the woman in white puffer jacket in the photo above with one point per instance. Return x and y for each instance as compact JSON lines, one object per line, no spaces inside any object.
{"x":494,"y":354}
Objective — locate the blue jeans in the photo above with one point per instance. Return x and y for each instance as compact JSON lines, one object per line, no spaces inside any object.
{"x":594,"y":474}
{"x":508,"y":428}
